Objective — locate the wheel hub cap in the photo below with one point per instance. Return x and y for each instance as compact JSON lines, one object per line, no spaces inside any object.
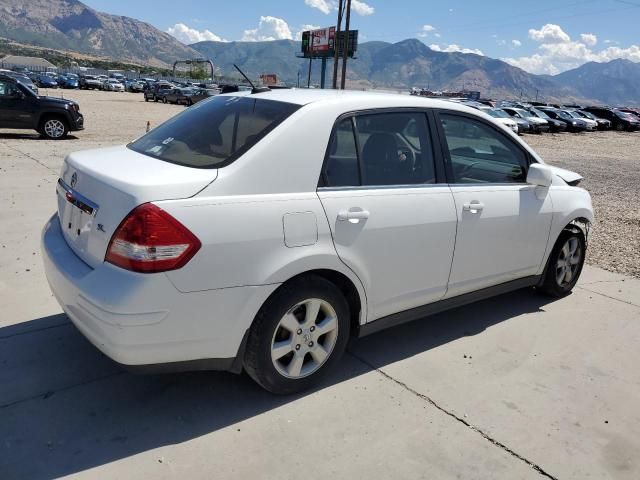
{"x":568,"y":262}
{"x":304,"y":338}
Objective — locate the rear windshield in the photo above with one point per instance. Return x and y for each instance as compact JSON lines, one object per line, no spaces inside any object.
{"x":215,"y":132}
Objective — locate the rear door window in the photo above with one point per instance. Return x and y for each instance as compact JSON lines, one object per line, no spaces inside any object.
{"x":381,"y":149}
{"x":214,"y":133}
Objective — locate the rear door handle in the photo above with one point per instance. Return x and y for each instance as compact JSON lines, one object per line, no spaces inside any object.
{"x":473,"y":207}
{"x":344,"y":215}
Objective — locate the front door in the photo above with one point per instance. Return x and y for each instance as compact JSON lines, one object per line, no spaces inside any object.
{"x":504,"y":223}
{"x":392,"y":223}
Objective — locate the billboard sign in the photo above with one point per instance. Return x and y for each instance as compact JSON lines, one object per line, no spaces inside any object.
{"x":322,"y":40}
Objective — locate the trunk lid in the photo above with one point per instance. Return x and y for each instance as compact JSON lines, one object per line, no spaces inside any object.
{"x":98,"y":188}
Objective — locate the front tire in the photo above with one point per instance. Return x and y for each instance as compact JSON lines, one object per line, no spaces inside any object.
{"x":298,"y":336}
{"x":54,"y":128}
{"x":565,"y":264}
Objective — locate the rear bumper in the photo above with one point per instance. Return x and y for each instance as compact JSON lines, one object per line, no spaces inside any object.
{"x":142,"y":321}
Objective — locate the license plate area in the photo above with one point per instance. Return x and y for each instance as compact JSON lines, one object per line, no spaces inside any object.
{"x":76,"y":214}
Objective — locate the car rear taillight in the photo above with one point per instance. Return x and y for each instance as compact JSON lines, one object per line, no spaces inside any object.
{"x":149,"y":240}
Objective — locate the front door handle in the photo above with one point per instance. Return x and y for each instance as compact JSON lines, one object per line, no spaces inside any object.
{"x":357,"y":215}
{"x":473,"y":207}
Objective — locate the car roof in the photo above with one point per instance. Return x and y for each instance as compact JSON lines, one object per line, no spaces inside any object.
{"x":353,"y":99}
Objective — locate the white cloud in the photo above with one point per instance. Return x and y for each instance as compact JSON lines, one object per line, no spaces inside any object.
{"x":325,"y":6}
{"x":454,"y":48}
{"x":304,"y":28}
{"x":362,"y":8}
{"x":269,"y":28}
{"x":549,"y":33}
{"x":559,"y":53}
{"x":426,"y":30}
{"x":589,"y":39}
{"x":188,"y":35}
{"x":516,"y":43}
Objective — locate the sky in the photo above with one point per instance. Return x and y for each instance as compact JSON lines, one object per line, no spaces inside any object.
{"x":542,"y":37}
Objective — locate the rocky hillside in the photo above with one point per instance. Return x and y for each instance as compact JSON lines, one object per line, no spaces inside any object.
{"x":409,"y":63}
{"x":71,"y":25}
{"x":615,"y":83}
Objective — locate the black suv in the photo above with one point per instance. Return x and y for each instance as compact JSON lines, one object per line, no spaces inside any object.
{"x":619,"y":120}
{"x":23,"y":109}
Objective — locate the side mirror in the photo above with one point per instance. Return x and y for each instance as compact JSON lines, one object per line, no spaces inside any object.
{"x":539,"y":175}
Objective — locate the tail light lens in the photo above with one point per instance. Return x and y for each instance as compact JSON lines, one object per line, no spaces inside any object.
{"x":149,"y":240}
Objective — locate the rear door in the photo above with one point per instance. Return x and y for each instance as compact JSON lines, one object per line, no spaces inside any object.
{"x":504,"y":223}
{"x":393,"y":224}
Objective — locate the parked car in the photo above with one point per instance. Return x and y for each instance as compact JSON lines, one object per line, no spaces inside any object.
{"x":501,"y":117}
{"x":592,"y":125}
{"x":46,"y":81}
{"x":574,"y":125}
{"x":619,"y":120}
{"x":134,"y":86}
{"x":555,"y":126}
{"x":200,"y":94}
{"x":24,"y":79}
{"x":537,"y":125}
{"x":112,"y":85}
{"x":603,"y":124}
{"x":212,"y":243}
{"x":90,"y":82}
{"x":69,"y":80}
{"x":21,"y":108}
{"x":179,"y":96}
{"x":157,"y":91}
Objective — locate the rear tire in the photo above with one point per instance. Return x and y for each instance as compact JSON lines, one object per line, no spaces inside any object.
{"x":565,"y":264}
{"x":298,"y":336}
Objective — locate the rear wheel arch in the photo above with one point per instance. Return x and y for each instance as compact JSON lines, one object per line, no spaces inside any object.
{"x":346,"y":286}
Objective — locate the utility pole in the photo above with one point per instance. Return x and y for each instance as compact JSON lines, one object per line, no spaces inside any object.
{"x":309,"y":77}
{"x":346,"y":45}
{"x":335,"y":44}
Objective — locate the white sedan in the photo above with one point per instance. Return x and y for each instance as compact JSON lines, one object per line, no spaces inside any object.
{"x":260,"y":231}
{"x":113,"y":85}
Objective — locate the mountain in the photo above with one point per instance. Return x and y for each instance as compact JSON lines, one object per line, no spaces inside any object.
{"x":615,"y":83}
{"x":409,"y":63}
{"x":71,"y":25}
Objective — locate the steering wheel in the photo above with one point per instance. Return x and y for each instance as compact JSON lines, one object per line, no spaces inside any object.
{"x":466,"y":169}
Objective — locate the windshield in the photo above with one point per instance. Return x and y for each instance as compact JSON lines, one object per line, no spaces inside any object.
{"x":625,"y":115}
{"x":215,"y":132}
{"x":497,"y":113}
{"x":540,"y":114}
{"x":572,"y":114}
{"x":565,"y":115}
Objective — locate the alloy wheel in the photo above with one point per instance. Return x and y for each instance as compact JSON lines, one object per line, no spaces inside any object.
{"x":568,"y":262}
{"x":304,"y":338}
{"x":54,"y":128}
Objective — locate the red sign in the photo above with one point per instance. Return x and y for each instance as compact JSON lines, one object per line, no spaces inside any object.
{"x":322,"y":40}
{"x":269,"y":79}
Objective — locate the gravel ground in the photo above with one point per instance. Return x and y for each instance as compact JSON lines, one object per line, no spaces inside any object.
{"x":610,"y":165}
{"x":609,"y":162}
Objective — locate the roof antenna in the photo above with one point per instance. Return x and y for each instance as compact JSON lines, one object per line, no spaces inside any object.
{"x":254,"y":89}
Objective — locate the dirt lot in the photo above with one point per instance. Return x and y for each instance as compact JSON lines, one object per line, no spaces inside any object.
{"x":610,"y":165}
{"x":515,"y":387}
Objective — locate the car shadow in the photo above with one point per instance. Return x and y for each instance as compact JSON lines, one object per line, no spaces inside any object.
{"x":32,"y":136}
{"x":66,"y":408}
